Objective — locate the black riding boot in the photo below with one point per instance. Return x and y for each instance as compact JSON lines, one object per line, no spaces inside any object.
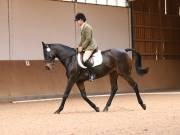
{"x":89,"y":65}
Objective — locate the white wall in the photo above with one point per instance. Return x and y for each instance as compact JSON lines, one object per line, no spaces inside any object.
{"x":110,"y":24}
{"x":4,"y":40}
{"x":33,"y":21}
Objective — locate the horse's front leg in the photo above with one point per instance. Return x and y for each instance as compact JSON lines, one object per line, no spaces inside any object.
{"x":84,"y":96}
{"x":65,"y":96}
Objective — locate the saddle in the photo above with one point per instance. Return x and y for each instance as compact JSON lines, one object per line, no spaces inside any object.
{"x":96,"y":59}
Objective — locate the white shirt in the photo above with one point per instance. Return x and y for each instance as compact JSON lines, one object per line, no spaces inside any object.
{"x":82,"y":26}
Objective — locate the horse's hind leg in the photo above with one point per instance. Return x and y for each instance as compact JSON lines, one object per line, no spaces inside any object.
{"x":84,"y":96}
{"x":135,"y":87}
{"x":114,"y":88}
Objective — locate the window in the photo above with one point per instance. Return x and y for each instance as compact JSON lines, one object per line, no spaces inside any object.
{"x":165,"y":7}
{"x":81,"y":1}
{"x":91,"y":1}
{"x":102,"y":2}
{"x":68,"y":0}
{"x":112,"y":2}
{"x":121,"y":3}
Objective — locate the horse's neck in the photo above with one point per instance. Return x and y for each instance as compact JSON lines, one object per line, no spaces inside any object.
{"x":64,"y":54}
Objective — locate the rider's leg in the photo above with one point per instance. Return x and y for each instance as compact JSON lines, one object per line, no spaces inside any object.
{"x":87,"y":55}
{"x":87,"y":63}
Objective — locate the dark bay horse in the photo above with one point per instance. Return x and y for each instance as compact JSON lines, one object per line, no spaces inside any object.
{"x":115,"y":62}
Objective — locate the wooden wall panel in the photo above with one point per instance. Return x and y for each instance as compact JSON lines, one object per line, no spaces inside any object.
{"x":21,"y":82}
{"x":157,"y":32}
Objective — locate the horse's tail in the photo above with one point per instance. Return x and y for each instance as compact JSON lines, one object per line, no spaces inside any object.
{"x":138,"y":63}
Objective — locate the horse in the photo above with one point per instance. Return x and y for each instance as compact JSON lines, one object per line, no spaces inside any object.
{"x":116,"y":63}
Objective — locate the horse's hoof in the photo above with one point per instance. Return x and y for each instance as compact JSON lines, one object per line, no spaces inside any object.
{"x":97,"y":109}
{"x":57,"y":112}
{"x":143,"y":106}
{"x":105,"y":110}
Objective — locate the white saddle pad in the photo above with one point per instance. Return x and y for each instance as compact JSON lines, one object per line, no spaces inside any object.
{"x":97,"y":58}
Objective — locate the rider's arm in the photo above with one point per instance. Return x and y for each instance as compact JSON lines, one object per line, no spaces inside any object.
{"x":87,"y":37}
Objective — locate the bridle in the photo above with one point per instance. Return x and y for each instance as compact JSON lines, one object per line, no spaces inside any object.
{"x":51,"y":59}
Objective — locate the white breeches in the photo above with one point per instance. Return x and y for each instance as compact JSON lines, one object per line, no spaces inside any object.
{"x":86,"y":55}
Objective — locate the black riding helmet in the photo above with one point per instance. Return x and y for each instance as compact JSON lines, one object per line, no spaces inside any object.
{"x":80,"y":16}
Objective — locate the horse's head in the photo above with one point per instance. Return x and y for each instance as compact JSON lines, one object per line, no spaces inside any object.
{"x":49,"y":56}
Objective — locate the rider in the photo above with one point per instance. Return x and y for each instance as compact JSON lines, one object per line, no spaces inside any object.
{"x":87,"y":45}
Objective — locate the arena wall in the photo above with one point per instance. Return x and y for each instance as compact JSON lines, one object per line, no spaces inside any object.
{"x":24,"y":24}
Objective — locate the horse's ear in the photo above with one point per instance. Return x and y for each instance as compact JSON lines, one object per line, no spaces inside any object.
{"x":45,"y":45}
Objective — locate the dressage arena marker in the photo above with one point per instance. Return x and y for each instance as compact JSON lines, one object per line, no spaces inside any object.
{"x":97,"y":96}
{"x":27,"y":63}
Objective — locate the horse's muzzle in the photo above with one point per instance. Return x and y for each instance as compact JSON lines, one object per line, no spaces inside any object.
{"x":49,"y":66}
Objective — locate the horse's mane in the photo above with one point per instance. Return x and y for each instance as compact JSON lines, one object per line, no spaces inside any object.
{"x":63,"y":46}
{"x":64,"y":51}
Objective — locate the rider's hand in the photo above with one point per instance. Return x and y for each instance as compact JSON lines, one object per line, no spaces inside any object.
{"x":80,"y":49}
{"x":76,"y":48}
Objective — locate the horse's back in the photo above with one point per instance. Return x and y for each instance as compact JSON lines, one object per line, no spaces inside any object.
{"x":116,"y":52}
{"x":121,"y":60}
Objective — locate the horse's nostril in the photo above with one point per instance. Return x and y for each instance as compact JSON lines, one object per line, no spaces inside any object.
{"x":47,"y":68}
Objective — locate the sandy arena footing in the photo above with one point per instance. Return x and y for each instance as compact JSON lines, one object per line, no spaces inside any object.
{"x":125,"y":117}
